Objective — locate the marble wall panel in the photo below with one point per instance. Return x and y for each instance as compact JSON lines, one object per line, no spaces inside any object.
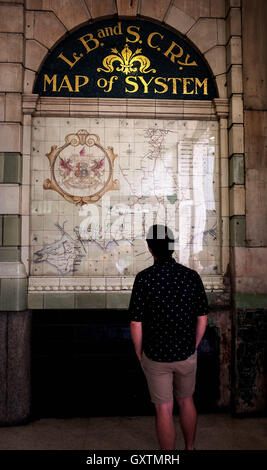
{"x":2,"y":106}
{"x":10,"y":137}
{"x":39,"y":23}
{"x":11,"y":47}
{"x":255,"y":68}
{"x":217,"y":8}
{"x":34,"y":54}
{"x":179,"y":20}
{"x":249,"y":264}
{"x":71,"y":13}
{"x":127,"y":8}
{"x":103,"y":8}
{"x":194,"y":9}
{"x":156,"y":10}
{"x":11,"y":18}
{"x":10,"y":77}
{"x":256,"y":206}
{"x":204,"y":34}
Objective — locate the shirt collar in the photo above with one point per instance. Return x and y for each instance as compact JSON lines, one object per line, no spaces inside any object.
{"x":167,"y":260}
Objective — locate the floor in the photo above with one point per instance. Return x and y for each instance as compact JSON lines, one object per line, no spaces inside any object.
{"x":215,"y":432}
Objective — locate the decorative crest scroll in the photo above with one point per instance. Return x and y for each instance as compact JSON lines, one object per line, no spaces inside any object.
{"x":82,"y":169}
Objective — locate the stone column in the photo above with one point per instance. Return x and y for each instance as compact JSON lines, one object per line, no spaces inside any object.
{"x":14,"y":316}
{"x":247,"y":74}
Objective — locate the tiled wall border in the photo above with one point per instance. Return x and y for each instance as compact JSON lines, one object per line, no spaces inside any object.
{"x":218,"y":110}
{"x":94,"y":284}
{"x":93,"y":293}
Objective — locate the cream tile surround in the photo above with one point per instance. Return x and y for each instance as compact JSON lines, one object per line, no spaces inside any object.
{"x":172,"y":113}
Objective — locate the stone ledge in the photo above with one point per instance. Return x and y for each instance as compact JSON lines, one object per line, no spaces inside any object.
{"x":107,"y":285}
{"x":40,"y":300}
{"x":127,"y":108}
{"x":90,"y":300}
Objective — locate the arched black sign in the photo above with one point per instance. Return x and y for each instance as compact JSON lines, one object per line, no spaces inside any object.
{"x":119,"y":58}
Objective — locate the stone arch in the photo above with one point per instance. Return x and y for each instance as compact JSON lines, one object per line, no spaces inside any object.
{"x":204,"y":29}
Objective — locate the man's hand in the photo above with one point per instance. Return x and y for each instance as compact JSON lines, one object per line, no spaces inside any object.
{"x":201,"y":327}
{"x":136,"y":335}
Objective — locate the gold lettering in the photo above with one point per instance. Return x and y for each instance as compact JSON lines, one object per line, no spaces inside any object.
{"x":186,"y":82}
{"x":129,"y":82}
{"x":170,"y":52}
{"x":174,"y":84}
{"x":145,"y":83}
{"x":110,"y":83}
{"x":68,"y":85}
{"x":90,"y":39}
{"x":100,"y":81}
{"x":150,"y":38}
{"x":77,"y":81}
{"x":186,"y":61}
{"x":204,"y":83}
{"x":103,"y":83}
{"x":133,"y":33}
{"x":109,"y":31}
{"x":101,"y":33}
{"x":49,"y":80}
{"x":162,"y":84}
{"x":71,"y":64}
{"x":117,"y":29}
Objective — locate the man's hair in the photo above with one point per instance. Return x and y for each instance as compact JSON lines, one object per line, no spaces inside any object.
{"x":160,"y":240}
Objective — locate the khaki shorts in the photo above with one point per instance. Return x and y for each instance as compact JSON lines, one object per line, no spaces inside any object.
{"x":166,"y":379}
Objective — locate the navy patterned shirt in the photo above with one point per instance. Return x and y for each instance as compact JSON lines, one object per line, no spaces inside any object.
{"x":167,"y":298}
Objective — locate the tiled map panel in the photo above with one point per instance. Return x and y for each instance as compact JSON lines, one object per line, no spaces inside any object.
{"x":165,"y":172}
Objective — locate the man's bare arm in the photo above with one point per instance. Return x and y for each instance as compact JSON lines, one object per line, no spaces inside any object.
{"x":136,"y":335}
{"x":201,"y":328}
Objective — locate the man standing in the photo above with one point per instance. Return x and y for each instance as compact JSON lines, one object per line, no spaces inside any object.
{"x":168,"y":313}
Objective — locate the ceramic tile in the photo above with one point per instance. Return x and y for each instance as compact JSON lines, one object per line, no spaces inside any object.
{"x":9,"y":253}
{"x":58,"y":301}
{"x":158,"y":178}
{"x":12,"y":168}
{"x":118,"y":300}
{"x":9,"y":199}
{"x":90,"y":300}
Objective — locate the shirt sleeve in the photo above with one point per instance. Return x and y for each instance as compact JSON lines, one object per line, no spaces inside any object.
{"x":201,"y":297}
{"x":138,"y":300}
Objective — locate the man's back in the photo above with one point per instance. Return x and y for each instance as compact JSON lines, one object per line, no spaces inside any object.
{"x":167,"y":298}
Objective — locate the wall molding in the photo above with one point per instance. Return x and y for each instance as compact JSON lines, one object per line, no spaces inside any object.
{"x":34,"y":105}
{"x":45,"y":284}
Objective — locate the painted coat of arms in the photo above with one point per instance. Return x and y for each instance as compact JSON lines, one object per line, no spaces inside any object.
{"x":82,"y":169}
